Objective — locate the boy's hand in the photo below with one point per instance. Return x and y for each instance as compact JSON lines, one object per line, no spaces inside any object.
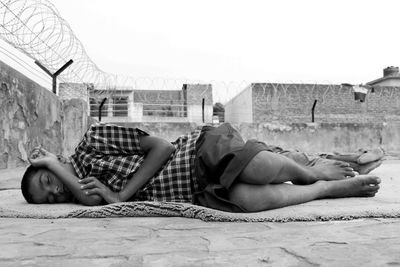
{"x":92,"y":186}
{"x":40,"y":157}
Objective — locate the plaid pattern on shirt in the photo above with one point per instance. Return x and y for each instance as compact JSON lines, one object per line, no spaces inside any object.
{"x":113,"y":154}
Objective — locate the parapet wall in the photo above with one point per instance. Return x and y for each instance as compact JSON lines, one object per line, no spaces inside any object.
{"x":325,"y":137}
{"x":287,"y":103}
{"x":30,"y":116}
{"x":310,"y":138}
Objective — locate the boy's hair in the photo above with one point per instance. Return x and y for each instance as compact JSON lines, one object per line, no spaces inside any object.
{"x":26,"y":183}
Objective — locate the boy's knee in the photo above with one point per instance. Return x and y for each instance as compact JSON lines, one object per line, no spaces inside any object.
{"x":260,"y":169}
{"x":240,"y":195}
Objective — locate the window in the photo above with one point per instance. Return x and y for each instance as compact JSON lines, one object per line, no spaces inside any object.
{"x":164,"y":110}
{"x":94,"y":107}
{"x":120,"y":106}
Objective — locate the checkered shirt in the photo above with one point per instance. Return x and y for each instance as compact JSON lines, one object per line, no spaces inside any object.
{"x":113,"y":154}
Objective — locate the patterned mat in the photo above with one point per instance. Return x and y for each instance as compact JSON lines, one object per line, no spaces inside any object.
{"x":386,"y":204}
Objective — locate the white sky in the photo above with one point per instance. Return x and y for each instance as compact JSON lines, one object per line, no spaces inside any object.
{"x":309,"y":41}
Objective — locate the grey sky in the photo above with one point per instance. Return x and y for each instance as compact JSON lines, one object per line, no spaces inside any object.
{"x":305,"y":41}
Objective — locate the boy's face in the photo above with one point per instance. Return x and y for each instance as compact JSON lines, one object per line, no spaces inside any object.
{"x":45,"y":187}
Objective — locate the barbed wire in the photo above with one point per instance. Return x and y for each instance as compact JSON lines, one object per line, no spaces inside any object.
{"x":35,"y":28}
{"x":26,"y":67}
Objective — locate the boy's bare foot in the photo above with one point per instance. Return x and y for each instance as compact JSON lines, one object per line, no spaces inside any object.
{"x":366,"y":168}
{"x":332,"y":170}
{"x":361,"y":156}
{"x":371,"y":155}
{"x":326,"y":170}
{"x":359,"y":186}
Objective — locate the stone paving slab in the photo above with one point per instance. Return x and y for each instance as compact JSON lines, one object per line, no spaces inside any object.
{"x":175,"y":241}
{"x":187,"y":242}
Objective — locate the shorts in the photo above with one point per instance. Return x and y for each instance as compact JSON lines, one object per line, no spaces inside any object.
{"x":221,"y":155}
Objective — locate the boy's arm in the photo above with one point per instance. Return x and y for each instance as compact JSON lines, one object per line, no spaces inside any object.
{"x":72,"y":183}
{"x":157,"y":151}
{"x":42,"y":158}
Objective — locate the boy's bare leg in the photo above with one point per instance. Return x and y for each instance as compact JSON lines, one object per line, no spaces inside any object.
{"x":361,"y":157}
{"x":364,"y":168}
{"x":350,"y":158}
{"x":271,"y":168}
{"x":264,"y":197}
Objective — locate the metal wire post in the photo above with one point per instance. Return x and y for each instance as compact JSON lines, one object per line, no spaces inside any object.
{"x":54,"y":76}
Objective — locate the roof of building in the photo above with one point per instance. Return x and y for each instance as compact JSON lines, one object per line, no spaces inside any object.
{"x":390,"y":77}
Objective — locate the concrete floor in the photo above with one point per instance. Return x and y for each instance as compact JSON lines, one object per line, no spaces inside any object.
{"x":188,"y":242}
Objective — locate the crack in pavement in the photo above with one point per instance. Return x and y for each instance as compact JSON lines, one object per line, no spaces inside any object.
{"x":208,"y":243}
{"x":299,"y":257}
{"x":329,"y":243}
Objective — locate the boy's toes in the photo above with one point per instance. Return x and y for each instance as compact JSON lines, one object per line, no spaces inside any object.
{"x":371,"y":180}
{"x":342,"y":164}
{"x":373,"y":188}
{"x":370,"y":194}
{"x":350,"y":172}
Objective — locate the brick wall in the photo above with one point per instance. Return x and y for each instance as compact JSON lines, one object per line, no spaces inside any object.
{"x":158,"y":96}
{"x":293,"y":103}
{"x":196,"y":92}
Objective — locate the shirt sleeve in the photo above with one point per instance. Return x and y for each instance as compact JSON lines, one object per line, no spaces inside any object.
{"x":112,"y":139}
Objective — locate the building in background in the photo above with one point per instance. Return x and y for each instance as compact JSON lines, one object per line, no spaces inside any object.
{"x":286,"y":103}
{"x":218,"y":113}
{"x":391,"y":77}
{"x":193,"y":103}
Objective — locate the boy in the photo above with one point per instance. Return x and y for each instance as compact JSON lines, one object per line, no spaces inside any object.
{"x":212,"y":167}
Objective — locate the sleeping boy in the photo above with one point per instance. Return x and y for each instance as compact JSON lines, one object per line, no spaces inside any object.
{"x":211,"y":167}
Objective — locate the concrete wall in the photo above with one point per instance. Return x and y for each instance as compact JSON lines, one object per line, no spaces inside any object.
{"x":169,"y":131}
{"x":325,"y":137}
{"x":31,"y":115}
{"x":311,"y":138}
{"x":195,"y":113}
{"x":195,"y":93}
{"x":293,"y":103}
{"x":74,"y":123}
{"x":73,"y":91}
{"x":240,"y":108}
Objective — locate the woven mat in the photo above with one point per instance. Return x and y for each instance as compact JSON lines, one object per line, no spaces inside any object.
{"x":386,"y":204}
